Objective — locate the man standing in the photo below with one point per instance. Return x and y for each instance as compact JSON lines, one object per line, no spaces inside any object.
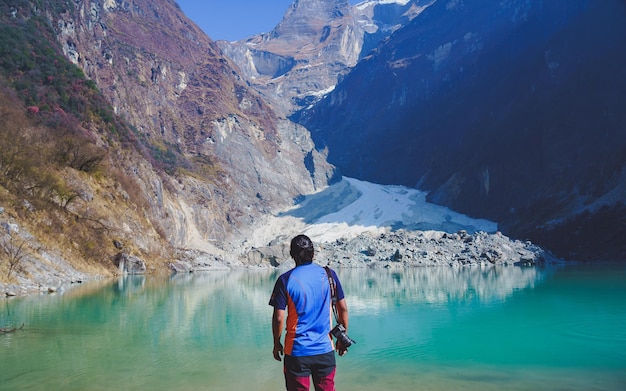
{"x":305,"y":293}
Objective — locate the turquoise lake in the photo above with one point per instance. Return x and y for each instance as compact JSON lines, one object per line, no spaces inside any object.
{"x":443,"y":328}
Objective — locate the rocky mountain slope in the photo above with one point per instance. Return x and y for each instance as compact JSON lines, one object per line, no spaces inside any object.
{"x":149,"y":139}
{"x":510,"y":111}
{"x":171,"y":82}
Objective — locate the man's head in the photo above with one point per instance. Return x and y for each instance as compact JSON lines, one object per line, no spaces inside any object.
{"x":301,"y":250}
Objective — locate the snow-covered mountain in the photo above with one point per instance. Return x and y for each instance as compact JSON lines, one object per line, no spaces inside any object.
{"x":314,"y":45}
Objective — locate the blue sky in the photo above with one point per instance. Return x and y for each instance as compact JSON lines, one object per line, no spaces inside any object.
{"x":232,"y":20}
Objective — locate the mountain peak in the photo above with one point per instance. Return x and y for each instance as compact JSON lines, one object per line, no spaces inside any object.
{"x":316,"y":42}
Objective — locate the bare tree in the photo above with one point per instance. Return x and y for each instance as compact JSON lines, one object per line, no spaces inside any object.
{"x":14,"y":249}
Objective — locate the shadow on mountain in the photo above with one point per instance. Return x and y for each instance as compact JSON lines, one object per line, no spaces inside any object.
{"x":517,"y":116}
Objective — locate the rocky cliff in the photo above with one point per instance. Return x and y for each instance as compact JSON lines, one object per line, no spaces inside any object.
{"x":171,"y":82}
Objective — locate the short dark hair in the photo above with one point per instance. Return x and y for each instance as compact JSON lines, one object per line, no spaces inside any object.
{"x":301,"y":249}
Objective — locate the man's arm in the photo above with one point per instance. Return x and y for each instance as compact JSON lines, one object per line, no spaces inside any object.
{"x":342,"y":314}
{"x":278,"y":321}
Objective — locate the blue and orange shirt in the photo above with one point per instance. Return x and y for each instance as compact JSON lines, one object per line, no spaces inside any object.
{"x":304,"y":292}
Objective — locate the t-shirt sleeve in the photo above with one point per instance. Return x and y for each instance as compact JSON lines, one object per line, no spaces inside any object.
{"x":338,"y":287}
{"x":278,"y":299}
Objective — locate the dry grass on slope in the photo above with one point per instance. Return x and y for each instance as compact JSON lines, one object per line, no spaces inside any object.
{"x":67,"y":208}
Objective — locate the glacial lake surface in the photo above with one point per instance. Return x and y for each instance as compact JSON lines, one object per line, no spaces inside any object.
{"x":443,"y":328}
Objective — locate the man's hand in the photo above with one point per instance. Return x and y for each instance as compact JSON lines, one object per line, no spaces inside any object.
{"x":278,"y":351}
{"x":341,"y":348}
{"x":342,"y":310}
{"x":278,"y":322}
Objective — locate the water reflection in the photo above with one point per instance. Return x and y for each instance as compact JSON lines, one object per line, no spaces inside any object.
{"x":175,"y":306}
{"x":371,"y":291}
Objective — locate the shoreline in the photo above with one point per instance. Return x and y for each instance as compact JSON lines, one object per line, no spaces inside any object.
{"x":398,"y":249}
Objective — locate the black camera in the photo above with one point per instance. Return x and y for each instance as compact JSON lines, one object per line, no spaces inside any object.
{"x":339,"y":332}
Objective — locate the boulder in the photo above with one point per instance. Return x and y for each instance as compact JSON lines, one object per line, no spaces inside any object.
{"x":129,"y":264}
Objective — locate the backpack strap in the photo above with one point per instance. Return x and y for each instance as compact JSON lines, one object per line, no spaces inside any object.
{"x":333,"y":291}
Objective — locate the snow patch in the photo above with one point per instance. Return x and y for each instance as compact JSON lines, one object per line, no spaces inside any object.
{"x":351,"y":207}
{"x":365,"y":4}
